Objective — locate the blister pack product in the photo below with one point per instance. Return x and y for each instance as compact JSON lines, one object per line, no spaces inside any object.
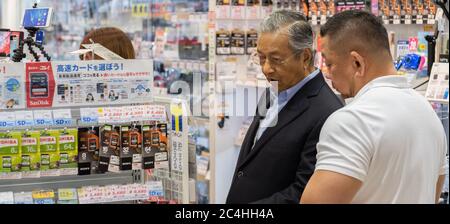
{"x":131,"y":150}
{"x":88,"y":150}
{"x":155,"y":142}
{"x":68,"y":151}
{"x":110,"y":149}
{"x":49,"y":148}
{"x":223,"y":41}
{"x":237,"y":41}
{"x":31,"y":162}
{"x":10,"y":154}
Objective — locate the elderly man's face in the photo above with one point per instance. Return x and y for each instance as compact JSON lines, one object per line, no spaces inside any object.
{"x":278,"y":62}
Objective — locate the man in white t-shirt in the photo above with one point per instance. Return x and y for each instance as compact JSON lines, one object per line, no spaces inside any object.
{"x":387,"y":145}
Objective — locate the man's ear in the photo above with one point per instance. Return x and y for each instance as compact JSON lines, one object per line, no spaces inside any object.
{"x":358,"y":63}
{"x":307,"y":57}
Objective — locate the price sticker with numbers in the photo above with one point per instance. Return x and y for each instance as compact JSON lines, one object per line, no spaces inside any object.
{"x":43,"y":117}
{"x":7,"y":119}
{"x":66,"y":194}
{"x":24,"y":118}
{"x":62,"y":117}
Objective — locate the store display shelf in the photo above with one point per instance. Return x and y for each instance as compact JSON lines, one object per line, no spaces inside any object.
{"x":171,"y":60}
{"x":438,"y":101}
{"x":72,"y":181}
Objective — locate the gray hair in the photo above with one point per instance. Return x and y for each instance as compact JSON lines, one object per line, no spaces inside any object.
{"x":298,"y":29}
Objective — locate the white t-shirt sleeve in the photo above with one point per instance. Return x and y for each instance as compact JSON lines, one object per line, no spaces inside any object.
{"x":345,"y":145}
{"x":444,"y":161}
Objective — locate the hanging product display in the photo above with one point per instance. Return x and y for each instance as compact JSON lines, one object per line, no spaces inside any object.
{"x":31,"y":163}
{"x":237,"y":41}
{"x":10,"y":163}
{"x":88,"y":151}
{"x":50,"y":154}
{"x":110,"y":148}
{"x":68,"y":148}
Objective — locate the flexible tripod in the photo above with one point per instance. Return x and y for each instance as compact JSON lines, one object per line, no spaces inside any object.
{"x":19,"y":54}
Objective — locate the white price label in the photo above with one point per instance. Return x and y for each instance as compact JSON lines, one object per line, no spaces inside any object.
{"x":155,"y":188}
{"x":396,"y":21}
{"x":137,"y":158}
{"x":161,"y":156}
{"x":155,"y":112}
{"x":43,"y":117}
{"x":106,"y":115}
{"x":253,"y":12}
{"x":115,"y":160}
{"x":62,"y":117}
{"x":323,"y":19}
{"x":7,"y":119}
{"x":24,"y":118}
{"x":237,"y":12}
{"x":6,"y":198}
{"x":127,"y":114}
{"x":89,"y":115}
{"x":115,"y":114}
{"x":23,"y":198}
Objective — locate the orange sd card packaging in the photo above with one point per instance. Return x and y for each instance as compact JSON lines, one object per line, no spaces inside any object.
{"x":131,"y":150}
{"x":155,"y":140}
{"x":109,"y":149}
{"x":88,"y":150}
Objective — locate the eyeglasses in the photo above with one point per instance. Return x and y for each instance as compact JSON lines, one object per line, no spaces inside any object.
{"x":273,"y":62}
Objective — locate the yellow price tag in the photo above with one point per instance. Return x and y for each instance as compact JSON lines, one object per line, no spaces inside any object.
{"x":43,"y":194}
{"x":66,"y":194}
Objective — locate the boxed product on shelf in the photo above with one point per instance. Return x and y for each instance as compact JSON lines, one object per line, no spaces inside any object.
{"x":10,"y":153}
{"x":68,"y":151}
{"x":131,"y":150}
{"x":49,"y":148}
{"x":223,"y":42}
{"x":237,"y":41}
{"x":155,"y":142}
{"x":88,"y":150}
{"x":110,"y":148}
{"x":31,"y":162}
{"x":251,"y":39}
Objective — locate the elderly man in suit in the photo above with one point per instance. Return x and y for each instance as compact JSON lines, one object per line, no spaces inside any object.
{"x":278,"y":155}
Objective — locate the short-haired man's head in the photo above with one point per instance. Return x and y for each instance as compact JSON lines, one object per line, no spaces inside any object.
{"x":356,"y":30}
{"x":294,"y":24}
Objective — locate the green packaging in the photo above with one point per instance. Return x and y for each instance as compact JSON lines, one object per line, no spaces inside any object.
{"x":10,"y":152}
{"x":49,"y":151}
{"x":31,"y":161}
{"x":68,"y":151}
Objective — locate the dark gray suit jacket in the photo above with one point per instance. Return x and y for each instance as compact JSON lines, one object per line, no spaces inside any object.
{"x":277,"y":169}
